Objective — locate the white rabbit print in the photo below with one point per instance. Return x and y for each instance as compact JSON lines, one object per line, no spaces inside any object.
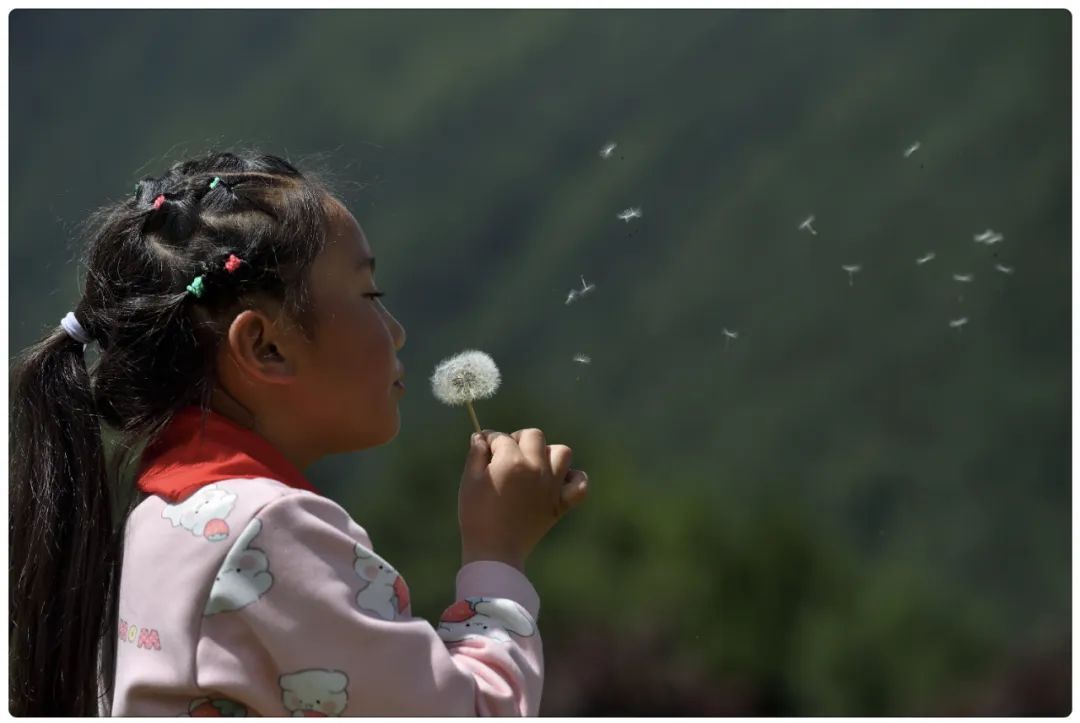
{"x":383,"y":591}
{"x":244,"y":576}
{"x":485,"y":617}
{"x":203,"y":513}
{"x":314,"y":692}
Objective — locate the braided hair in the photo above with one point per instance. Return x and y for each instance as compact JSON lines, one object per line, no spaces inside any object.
{"x":249,"y":225}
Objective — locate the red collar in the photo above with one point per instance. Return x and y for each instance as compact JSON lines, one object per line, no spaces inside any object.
{"x":188,"y":455}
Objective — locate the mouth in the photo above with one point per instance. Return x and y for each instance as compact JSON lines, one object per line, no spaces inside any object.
{"x":400,"y":382}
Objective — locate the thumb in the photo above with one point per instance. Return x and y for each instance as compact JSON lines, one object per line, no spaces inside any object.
{"x":574,"y":490}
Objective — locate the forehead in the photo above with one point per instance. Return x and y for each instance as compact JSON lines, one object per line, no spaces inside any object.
{"x":345,"y":240}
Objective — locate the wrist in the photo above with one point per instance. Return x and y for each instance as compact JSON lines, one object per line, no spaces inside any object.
{"x":515,"y":561}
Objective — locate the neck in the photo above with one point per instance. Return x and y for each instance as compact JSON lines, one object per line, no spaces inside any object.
{"x":229,"y":406}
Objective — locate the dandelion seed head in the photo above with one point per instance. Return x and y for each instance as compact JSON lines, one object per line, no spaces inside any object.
{"x":964,"y":278}
{"x":957,"y":323}
{"x":582,"y":358}
{"x":465,"y":377}
{"x":605,"y":152}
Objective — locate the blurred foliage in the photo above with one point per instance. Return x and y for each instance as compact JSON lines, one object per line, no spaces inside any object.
{"x":850,"y":509}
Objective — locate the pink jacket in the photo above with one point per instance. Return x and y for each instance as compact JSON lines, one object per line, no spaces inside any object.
{"x":254,"y":595}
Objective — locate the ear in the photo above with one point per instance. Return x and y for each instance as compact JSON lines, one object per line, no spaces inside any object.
{"x":262,"y":350}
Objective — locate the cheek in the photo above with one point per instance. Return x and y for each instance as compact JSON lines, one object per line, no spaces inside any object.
{"x":357,"y":351}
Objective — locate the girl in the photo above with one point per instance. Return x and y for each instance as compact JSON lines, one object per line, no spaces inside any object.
{"x":242,"y":338}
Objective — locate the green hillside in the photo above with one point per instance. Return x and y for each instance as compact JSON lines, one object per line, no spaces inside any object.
{"x":852,"y":508}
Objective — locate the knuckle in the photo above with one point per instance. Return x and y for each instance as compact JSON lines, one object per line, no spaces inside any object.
{"x":521,"y":465}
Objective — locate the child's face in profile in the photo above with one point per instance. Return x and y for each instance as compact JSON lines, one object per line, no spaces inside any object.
{"x":345,"y":383}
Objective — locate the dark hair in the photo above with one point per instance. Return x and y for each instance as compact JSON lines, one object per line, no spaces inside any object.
{"x":68,"y":504}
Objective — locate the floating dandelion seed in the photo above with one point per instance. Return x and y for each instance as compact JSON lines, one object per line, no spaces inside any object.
{"x":572,"y":296}
{"x":852,"y":270}
{"x":911,"y":149}
{"x":464,"y":378}
{"x":1003,"y":269}
{"x":964,"y":278}
{"x":958,"y":323}
{"x":629,"y":213}
{"x":806,"y":225}
{"x":989,"y":237}
{"x":585,"y":288}
{"x":924,"y":259}
{"x":728,"y":336}
{"x":583,"y":359}
{"x":605,"y":152}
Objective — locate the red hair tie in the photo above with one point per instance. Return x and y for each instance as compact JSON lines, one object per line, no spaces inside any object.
{"x":233,"y":263}
{"x":158,"y":201}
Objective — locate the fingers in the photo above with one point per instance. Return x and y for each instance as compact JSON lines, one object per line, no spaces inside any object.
{"x":499,"y":442}
{"x":479,"y":454}
{"x":561,"y":456}
{"x":533,"y":446}
{"x":574,"y":490}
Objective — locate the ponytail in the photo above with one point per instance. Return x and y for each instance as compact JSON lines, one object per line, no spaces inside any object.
{"x":63,"y":544}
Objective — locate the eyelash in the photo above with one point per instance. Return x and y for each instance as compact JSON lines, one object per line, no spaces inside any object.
{"x":375,"y":295}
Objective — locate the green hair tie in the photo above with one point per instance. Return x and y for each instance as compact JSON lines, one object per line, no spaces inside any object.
{"x":196,"y":287}
{"x":215,"y":182}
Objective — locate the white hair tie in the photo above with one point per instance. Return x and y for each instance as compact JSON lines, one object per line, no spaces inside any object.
{"x":74,"y":328}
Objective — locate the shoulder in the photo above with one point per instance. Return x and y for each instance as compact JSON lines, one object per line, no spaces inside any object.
{"x":302,"y":517}
{"x":217,"y":512}
{"x":297,"y":542}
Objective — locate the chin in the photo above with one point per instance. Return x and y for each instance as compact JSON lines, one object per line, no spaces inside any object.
{"x":395,"y":428}
{"x":388,"y":433}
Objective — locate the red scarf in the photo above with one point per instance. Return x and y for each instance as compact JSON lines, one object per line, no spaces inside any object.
{"x":186,"y":457}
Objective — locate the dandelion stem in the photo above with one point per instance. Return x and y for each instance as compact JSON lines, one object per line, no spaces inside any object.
{"x":472,"y":413}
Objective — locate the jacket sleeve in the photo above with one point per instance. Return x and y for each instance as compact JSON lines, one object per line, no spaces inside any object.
{"x":303,"y":618}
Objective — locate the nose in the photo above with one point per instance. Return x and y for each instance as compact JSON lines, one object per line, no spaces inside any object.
{"x":397,"y":331}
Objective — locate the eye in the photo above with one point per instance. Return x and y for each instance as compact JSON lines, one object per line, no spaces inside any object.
{"x":375,"y":294}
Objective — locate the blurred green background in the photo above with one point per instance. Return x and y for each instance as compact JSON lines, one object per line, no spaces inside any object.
{"x":852,"y":508}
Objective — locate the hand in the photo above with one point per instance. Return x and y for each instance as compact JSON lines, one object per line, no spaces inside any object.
{"x":514,"y":489}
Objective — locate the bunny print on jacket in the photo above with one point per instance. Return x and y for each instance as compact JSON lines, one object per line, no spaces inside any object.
{"x":488,"y":617}
{"x":383,"y":592}
{"x":315,"y":692}
{"x":244,"y":577}
{"x":203,"y":513}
